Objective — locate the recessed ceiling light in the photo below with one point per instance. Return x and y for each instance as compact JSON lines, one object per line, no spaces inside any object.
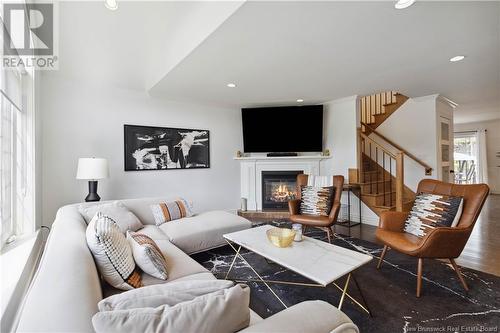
{"x":457,"y":58}
{"x":231,"y":85}
{"x":300,"y":100}
{"x":111,"y":4}
{"x":402,"y":4}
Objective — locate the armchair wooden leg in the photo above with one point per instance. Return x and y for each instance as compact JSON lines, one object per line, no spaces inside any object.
{"x":384,"y":251}
{"x":459,"y":274}
{"x":419,"y":276}
{"x":328,"y":234}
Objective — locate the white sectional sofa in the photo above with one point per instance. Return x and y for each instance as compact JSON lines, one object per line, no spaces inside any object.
{"x":64,"y":294}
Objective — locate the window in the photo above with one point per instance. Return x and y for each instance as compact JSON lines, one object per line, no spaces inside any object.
{"x":17,"y":205}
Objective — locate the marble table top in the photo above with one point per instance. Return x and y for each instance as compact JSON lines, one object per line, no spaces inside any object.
{"x":318,"y":261}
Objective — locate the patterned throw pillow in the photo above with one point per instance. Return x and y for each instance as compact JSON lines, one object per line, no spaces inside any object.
{"x":147,"y":255}
{"x":169,"y":211}
{"x":431,"y":211}
{"x":316,"y":200}
{"x":112,"y":253}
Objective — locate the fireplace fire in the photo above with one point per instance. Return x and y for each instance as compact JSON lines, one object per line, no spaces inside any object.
{"x":281,"y":193}
{"x":278,"y":187}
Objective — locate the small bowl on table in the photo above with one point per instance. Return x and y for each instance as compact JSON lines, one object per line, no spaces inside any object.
{"x":281,"y":237}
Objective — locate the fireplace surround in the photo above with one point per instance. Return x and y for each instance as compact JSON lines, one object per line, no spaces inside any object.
{"x":251,"y":168}
{"x":278,"y":187}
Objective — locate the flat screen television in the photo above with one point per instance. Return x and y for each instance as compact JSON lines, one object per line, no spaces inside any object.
{"x":283,"y":129}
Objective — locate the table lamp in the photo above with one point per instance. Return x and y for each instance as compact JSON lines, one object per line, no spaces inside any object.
{"x":92,"y":169}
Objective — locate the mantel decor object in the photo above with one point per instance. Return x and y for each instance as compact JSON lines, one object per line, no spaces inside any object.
{"x":92,"y":169}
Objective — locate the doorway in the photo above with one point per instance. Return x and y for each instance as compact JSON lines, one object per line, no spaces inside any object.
{"x":466,"y":157}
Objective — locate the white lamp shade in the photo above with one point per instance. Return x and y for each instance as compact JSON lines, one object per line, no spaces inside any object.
{"x":92,"y":168}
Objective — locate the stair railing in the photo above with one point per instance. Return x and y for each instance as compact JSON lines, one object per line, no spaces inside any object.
{"x":374,"y":104}
{"x":375,"y":158}
{"x":428,"y":168}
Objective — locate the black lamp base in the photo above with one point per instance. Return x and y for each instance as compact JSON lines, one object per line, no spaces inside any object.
{"x":93,"y":196}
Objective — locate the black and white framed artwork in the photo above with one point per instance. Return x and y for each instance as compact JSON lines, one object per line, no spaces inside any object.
{"x":164,"y":148}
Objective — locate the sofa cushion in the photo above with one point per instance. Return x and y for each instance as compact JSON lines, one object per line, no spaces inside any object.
{"x":320,"y":317}
{"x":170,"y":211}
{"x":147,"y":255}
{"x":124,"y":218}
{"x":141,"y":207}
{"x":112,"y":253}
{"x":170,"y":294}
{"x":179,"y":264}
{"x":223,"y":311}
{"x":204,"y":231}
{"x":153,"y":232}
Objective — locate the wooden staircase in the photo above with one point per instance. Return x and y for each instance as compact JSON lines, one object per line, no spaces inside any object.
{"x":375,"y":109}
{"x":378,"y":187}
{"x":380,"y":170}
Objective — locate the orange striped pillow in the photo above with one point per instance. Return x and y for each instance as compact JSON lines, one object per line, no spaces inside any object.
{"x":169,"y":211}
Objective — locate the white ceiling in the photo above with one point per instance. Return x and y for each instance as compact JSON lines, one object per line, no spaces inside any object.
{"x":280,"y":51}
{"x":135,"y":45}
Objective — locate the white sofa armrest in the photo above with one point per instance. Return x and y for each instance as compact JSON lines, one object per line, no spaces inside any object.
{"x":309,"y":316}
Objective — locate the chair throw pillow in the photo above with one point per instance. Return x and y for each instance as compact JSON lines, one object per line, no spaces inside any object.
{"x":112,"y":253}
{"x":316,"y":200}
{"x":222,"y":311}
{"x":123,"y":217}
{"x":169,"y":211}
{"x":147,"y":255}
{"x":431,"y":211}
{"x":170,"y":294}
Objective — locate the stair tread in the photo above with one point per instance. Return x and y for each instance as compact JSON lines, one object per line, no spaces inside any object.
{"x":377,"y":194}
{"x":375,"y":182}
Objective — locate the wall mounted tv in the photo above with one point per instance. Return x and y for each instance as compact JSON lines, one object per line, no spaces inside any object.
{"x":283,"y":129}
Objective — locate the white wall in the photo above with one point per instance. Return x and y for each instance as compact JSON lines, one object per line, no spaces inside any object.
{"x":413,"y":127}
{"x":492,"y":148}
{"x":339,"y":128}
{"x":340,"y":136}
{"x":84,"y":121}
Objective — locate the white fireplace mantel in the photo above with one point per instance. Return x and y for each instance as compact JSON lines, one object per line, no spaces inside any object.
{"x":252,"y":167}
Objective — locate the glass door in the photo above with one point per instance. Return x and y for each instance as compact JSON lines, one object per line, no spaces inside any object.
{"x":466,"y":158}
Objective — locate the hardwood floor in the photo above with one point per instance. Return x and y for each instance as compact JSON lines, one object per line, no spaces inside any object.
{"x":482,"y":251}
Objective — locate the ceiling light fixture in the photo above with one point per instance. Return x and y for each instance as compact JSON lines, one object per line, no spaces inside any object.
{"x":402,"y":4}
{"x":457,"y":58}
{"x":231,"y":85}
{"x":111,"y":4}
{"x":300,"y":100}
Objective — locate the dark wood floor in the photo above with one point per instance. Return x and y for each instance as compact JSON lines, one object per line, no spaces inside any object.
{"x":482,"y":251}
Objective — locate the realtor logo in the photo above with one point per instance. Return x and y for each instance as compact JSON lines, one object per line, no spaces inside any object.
{"x":29,"y":35}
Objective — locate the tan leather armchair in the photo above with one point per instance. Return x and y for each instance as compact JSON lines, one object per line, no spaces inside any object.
{"x":442,"y":242}
{"x":323,"y":222}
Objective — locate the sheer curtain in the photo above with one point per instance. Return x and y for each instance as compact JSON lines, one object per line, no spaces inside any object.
{"x":482,"y":156}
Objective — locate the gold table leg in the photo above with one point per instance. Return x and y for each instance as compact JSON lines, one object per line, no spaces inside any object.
{"x":258,"y":275}
{"x":234,"y":259}
{"x":342,"y":289}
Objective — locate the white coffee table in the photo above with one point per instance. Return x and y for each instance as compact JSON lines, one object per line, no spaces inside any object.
{"x":320,"y":262}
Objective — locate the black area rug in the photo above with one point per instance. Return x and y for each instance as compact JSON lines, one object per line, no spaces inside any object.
{"x":390,"y":292}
